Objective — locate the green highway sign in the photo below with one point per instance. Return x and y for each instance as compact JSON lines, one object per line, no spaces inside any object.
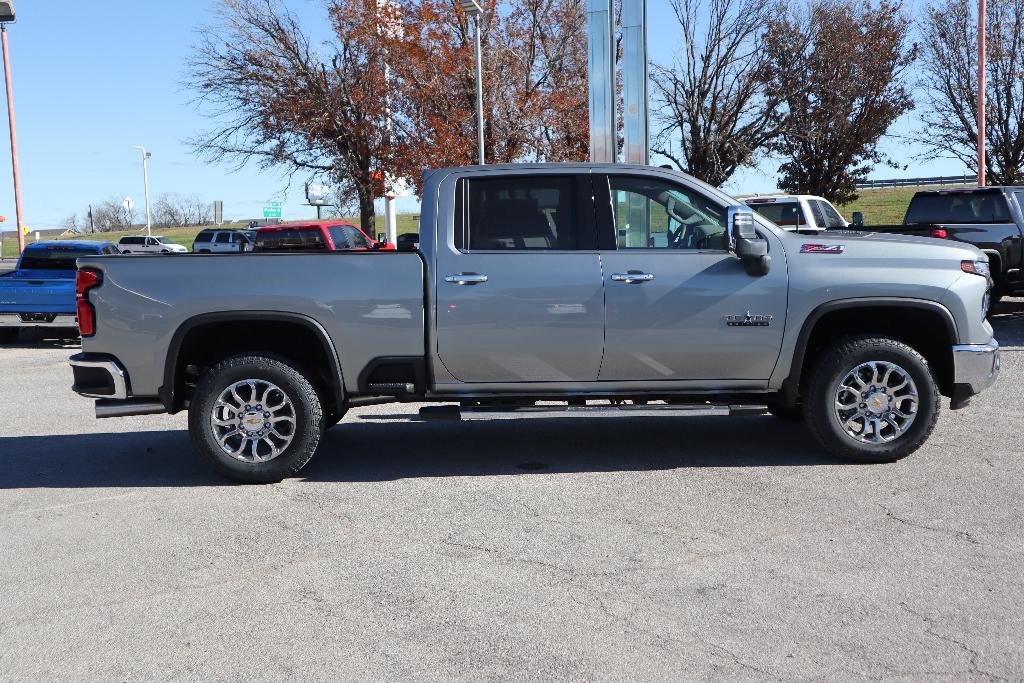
{"x":272,"y":210}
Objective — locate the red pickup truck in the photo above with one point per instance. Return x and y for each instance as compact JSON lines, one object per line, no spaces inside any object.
{"x":316,"y":236}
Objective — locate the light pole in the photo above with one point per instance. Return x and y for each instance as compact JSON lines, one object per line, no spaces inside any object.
{"x":145,"y":177}
{"x":981,"y":92}
{"x":7,"y":17}
{"x":474,"y":11}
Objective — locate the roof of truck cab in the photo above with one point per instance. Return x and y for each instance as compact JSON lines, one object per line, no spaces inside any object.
{"x":69,"y":244}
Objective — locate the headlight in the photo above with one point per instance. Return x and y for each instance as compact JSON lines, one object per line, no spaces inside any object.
{"x":976,"y":267}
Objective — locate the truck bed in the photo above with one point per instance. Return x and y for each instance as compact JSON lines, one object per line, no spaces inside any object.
{"x":370,"y":304}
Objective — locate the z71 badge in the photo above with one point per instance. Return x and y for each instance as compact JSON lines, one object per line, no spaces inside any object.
{"x":749,"y":320}
{"x":822,"y":249}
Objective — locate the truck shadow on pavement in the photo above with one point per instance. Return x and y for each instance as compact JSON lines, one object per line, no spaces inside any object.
{"x":358,"y":450}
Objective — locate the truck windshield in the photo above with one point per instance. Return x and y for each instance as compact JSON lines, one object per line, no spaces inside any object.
{"x":53,"y":258}
{"x":958,"y":207}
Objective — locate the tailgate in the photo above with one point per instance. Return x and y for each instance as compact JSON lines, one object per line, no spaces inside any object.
{"x":21,"y":293}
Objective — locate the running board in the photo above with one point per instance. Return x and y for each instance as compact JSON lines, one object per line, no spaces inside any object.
{"x":467,"y":413}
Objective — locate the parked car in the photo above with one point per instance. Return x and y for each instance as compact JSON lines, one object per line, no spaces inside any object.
{"x":525,"y":290}
{"x":40,"y":292}
{"x":140,"y":244}
{"x":798,"y":212}
{"x":316,"y":236}
{"x":990,"y":218}
{"x":223,"y":241}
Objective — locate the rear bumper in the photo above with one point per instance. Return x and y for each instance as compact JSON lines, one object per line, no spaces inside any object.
{"x":38,"y":320}
{"x":98,"y":377}
{"x":975,"y":368}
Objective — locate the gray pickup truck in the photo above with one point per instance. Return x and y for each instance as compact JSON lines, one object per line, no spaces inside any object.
{"x":556,"y":290}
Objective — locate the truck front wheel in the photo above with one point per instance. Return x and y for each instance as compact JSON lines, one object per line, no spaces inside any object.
{"x":872,"y":399}
{"x":255,"y":419}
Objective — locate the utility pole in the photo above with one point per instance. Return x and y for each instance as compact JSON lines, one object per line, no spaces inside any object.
{"x":981,"y":92}
{"x":7,"y":12}
{"x":475,"y":12}
{"x":145,"y":177}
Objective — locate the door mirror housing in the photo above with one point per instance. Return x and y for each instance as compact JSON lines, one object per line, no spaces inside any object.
{"x":745,"y":243}
{"x":858,"y":219}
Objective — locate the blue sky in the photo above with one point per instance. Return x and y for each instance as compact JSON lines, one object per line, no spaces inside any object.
{"x":92,"y":79}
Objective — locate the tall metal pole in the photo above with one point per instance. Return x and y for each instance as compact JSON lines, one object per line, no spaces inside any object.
{"x":479,"y":92}
{"x":601,"y":80}
{"x":145,"y":180}
{"x":981,"y":91}
{"x":19,"y":227}
{"x":634,"y":82}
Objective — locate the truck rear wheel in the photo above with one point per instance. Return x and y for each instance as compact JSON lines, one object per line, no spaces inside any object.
{"x":255,"y":419}
{"x":872,"y":399}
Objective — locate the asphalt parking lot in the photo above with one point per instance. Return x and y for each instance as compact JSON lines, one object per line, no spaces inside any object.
{"x":658,"y":549}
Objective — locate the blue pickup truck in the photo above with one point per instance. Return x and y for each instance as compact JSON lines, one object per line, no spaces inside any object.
{"x":40,"y":292}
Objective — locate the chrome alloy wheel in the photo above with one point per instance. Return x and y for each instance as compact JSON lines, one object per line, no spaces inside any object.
{"x":253,"y":420}
{"x":876,"y":402}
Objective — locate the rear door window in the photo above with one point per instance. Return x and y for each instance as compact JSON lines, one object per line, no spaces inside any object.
{"x":223,"y":238}
{"x":522,"y":213}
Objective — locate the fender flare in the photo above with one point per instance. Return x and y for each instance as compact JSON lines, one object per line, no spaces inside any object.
{"x":167,"y":393}
{"x":791,"y":385}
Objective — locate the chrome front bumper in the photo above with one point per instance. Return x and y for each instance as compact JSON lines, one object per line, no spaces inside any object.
{"x":18,"y":320}
{"x":975,"y":368}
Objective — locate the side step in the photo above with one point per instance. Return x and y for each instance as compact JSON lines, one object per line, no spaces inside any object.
{"x":467,"y":413}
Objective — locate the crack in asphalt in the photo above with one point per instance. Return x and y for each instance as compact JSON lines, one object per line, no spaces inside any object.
{"x":973,"y":654}
{"x":963,"y":535}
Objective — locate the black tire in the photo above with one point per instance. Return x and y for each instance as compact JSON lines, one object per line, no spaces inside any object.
{"x":785,"y":412}
{"x":308,"y":416}
{"x":125,"y":251}
{"x":9,"y":335}
{"x":834,"y":366}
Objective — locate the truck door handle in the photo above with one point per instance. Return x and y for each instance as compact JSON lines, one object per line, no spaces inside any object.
{"x":633,"y":277}
{"x":466,"y":279}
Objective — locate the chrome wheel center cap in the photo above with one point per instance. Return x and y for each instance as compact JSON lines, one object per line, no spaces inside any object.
{"x":253,"y":421}
{"x":878,"y":403}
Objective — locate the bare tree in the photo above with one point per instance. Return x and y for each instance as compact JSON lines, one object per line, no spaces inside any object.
{"x":172,"y":210}
{"x":842,"y":65}
{"x":713,"y":102}
{"x":278,"y":100}
{"x":110,"y":215}
{"x":950,"y":84}
{"x":71,"y":223}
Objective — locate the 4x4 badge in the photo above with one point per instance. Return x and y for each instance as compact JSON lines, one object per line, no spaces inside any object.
{"x":749,"y":320}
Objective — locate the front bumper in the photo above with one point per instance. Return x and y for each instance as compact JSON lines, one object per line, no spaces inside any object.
{"x":975,"y":368}
{"x":38,"y":320}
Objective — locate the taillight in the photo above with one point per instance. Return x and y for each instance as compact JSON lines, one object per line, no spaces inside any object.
{"x":84,"y":281}
{"x":940,"y":233}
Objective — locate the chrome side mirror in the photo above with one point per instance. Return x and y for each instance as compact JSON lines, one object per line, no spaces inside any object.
{"x":745,"y":243}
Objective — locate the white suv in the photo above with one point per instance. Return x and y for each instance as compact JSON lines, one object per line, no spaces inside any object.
{"x":798,"y":212}
{"x":140,"y":244}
